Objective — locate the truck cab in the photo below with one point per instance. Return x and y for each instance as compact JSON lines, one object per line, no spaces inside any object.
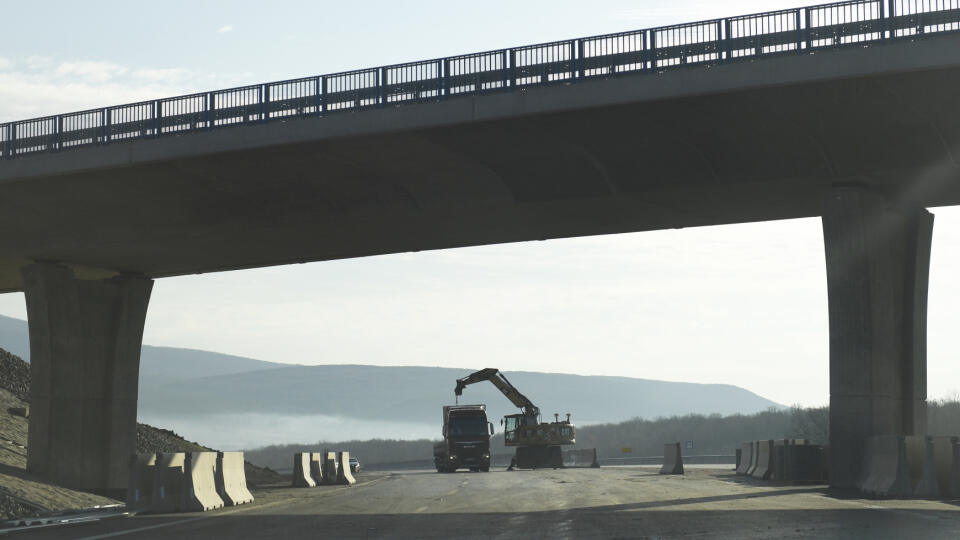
{"x":466,"y":439}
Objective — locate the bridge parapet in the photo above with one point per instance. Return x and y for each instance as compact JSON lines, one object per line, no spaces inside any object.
{"x":804,"y":30}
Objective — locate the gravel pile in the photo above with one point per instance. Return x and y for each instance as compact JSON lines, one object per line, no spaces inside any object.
{"x":152,"y":439}
{"x":11,"y":508}
{"x":15,"y":375}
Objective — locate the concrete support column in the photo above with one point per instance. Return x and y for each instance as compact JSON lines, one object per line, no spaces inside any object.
{"x":878,"y":262}
{"x":85,"y":339}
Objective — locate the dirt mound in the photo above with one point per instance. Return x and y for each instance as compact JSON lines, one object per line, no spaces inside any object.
{"x":15,"y":375}
{"x":14,"y":392}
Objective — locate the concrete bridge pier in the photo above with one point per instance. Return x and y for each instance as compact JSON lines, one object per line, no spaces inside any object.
{"x":878,"y":262}
{"x":85,"y":339}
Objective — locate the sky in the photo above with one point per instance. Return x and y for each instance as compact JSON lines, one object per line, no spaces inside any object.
{"x":739,"y":304}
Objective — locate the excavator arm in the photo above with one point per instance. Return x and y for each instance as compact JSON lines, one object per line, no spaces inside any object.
{"x":494,"y":376}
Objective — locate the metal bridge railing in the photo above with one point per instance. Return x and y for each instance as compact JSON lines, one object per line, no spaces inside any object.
{"x":790,"y":31}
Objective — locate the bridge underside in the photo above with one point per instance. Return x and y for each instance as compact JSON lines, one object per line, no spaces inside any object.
{"x":760,"y":153}
{"x":785,"y":137}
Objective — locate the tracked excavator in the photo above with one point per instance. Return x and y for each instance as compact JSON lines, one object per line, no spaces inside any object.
{"x":538,"y":443}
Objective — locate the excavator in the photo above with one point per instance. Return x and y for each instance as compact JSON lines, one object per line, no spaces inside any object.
{"x":537,"y":443}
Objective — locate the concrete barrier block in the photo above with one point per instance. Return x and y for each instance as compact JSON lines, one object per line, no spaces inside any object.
{"x":946,"y":467}
{"x":316,"y":467}
{"x":746,"y":456}
{"x":672,"y":460}
{"x":777,"y":459}
{"x":595,"y":464}
{"x":168,"y":482}
{"x":232,"y":479}
{"x":330,"y":472}
{"x":804,"y":464}
{"x":301,"y":470}
{"x":764,"y":460}
{"x":921,"y":464}
{"x":884,"y":471}
{"x":344,"y":476}
{"x":200,"y":484}
{"x":143,"y":467}
{"x":754,"y":454}
{"x":738,"y":454}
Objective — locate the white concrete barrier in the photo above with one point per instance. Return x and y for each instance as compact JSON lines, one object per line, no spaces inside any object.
{"x":754,"y":454}
{"x":232,"y":479}
{"x":764,"y":460}
{"x":200,"y":485}
{"x":330,"y":472}
{"x":143,"y":467}
{"x":168,"y":482}
{"x":746,"y":456}
{"x":316,"y":467}
{"x":672,"y":460}
{"x":344,"y":476}
{"x":921,"y":464}
{"x":301,"y":470}
{"x":884,"y":471}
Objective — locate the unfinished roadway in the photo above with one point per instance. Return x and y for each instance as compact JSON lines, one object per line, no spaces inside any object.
{"x":615,"y":502}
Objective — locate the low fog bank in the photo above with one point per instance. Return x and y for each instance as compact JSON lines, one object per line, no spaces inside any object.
{"x":250,"y":430}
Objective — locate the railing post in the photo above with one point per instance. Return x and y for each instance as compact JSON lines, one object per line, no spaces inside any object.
{"x":109,"y":117}
{"x":208,"y":110}
{"x":581,"y":71}
{"x":382,"y":86}
{"x":513,"y":67}
{"x":574,"y":61}
{"x":323,"y":95}
{"x":799,"y":33}
{"x":806,"y":30}
{"x":445,"y":76}
{"x":157,"y":110}
{"x":58,"y":129}
{"x":889,"y":16}
{"x":652,"y":51}
{"x":11,"y":142}
{"x":506,"y":69}
{"x":724,"y":50}
{"x":263,"y":92}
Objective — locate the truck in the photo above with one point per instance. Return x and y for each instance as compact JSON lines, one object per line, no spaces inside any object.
{"x":537,"y":442}
{"x":466,"y":439}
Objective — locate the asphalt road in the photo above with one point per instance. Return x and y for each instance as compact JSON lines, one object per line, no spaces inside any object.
{"x":620,"y":502}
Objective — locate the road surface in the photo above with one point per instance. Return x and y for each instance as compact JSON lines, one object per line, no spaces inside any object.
{"x":617,"y":502}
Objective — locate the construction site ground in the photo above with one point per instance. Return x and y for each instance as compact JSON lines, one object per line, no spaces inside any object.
{"x":612,"y":502}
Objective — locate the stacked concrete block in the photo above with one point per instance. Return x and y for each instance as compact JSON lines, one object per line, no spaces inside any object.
{"x":140,"y":481}
{"x":301,"y":470}
{"x":672,"y":460}
{"x":344,"y":476}
{"x":200,"y":484}
{"x":231,"y":479}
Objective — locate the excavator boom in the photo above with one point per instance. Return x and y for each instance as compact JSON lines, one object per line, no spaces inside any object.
{"x":500,"y":381}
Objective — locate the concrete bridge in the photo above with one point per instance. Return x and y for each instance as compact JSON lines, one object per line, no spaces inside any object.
{"x":847,"y":111}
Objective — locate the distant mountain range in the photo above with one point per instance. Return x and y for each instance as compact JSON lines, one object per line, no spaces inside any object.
{"x":190,"y":383}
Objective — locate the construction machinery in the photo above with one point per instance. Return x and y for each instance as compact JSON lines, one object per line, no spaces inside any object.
{"x":538,"y":443}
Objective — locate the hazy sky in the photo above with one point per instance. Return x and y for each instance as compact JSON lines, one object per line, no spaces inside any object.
{"x":742,"y":304}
